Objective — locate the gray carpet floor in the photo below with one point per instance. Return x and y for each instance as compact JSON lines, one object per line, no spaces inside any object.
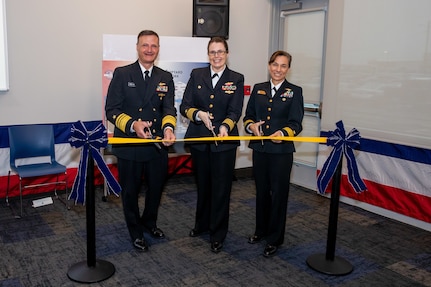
{"x":40,"y":248}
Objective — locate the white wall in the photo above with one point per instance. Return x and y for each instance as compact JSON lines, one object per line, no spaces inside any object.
{"x":4,"y":81}
{"x":55,"y":51}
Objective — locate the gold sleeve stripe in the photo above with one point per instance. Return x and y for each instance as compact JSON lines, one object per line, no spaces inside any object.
{"x":289,"y":131}
{"x":248,"y":122}
{"x":190,"y":112}
{"x":121,"y":121}
{"x":171,"y":120}
{"x":230,"y":123}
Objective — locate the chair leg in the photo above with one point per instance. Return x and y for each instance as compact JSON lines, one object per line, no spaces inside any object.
{"x":66,"y":191}
{"x":20,"y":194}
{"x":105,"y":191}
{"x":7,"y":190}
{"x":7,"y":197}
{"x":65,"y":202}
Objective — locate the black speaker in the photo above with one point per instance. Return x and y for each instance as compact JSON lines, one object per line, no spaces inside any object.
{"x":211,"y":18}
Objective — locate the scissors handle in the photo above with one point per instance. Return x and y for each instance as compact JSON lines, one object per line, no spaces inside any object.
{"x":153,"y":137}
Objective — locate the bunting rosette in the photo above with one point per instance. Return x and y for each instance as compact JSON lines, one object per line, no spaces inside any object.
{"x":342,"y":145}
{"x":90,"y":141}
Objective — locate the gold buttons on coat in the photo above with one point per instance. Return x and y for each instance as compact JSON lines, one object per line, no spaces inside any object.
{"x":140,"y":110}
{"x":212,"y":97}
{"x":211,"y":106}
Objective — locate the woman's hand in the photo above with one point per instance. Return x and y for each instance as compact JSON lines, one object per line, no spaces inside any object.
{"x":223,"y":132}
{"x":206,"y":119}
{"x":256,"y":128}
{"x":277,"y":134}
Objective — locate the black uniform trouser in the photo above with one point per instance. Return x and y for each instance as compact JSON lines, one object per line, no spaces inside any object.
{"x":130,"y":176}
{"x":272,"y":178}
{"x":214,"y":175}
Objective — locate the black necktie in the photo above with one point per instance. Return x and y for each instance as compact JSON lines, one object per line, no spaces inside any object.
{"x":147,"y":76}
{"x":275,"y":91}
{"x":214,"y":79}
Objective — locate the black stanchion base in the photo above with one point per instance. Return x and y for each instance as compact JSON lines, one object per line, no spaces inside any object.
{"x":338,"y":266}
{"x":82,"y":273}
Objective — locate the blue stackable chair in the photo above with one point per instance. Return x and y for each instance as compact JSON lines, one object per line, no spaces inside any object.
{"x":32,"y":154}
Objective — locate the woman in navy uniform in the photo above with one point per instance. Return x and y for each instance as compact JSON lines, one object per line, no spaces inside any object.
{"x":213,"y":101}
{"x":275,"y":108}
{"x":140,"y":103}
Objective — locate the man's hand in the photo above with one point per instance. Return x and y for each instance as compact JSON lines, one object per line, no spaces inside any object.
{"x":168,"y":137}
{"x":142,"y":129}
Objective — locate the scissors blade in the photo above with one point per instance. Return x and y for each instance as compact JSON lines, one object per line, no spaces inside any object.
{"x":212,"y":128}
{"x":261,"y":133}
{"x":156,"y":144}
{"x":214,"y":135}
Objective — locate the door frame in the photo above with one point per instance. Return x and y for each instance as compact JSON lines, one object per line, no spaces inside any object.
{"x":302,"y":174}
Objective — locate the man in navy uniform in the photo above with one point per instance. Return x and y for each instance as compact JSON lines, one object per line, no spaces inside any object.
{"x":140,"y":103}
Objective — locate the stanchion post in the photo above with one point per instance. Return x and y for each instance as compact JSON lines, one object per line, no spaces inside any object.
{"x":329,"y":263}
{"x":91,"y":213}
{"x":333,"y":212}
{"x":91,"y":270}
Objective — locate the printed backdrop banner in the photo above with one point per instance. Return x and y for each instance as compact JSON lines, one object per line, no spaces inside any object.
{"x":178,"y":55}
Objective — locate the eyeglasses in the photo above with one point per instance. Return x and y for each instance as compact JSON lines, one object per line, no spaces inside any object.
{"x":215,"y":53}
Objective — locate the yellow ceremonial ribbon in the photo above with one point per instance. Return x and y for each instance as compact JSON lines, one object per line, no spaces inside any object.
{"x":116,"y":140}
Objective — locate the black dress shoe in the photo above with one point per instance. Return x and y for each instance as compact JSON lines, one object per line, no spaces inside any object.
{"x":216,"y":246}
{"x":140,"y":244}
{"x":270,"y":250}
{"x":157,"y":233}
{"x":255,"y":239}
{"x":194,"y":232}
